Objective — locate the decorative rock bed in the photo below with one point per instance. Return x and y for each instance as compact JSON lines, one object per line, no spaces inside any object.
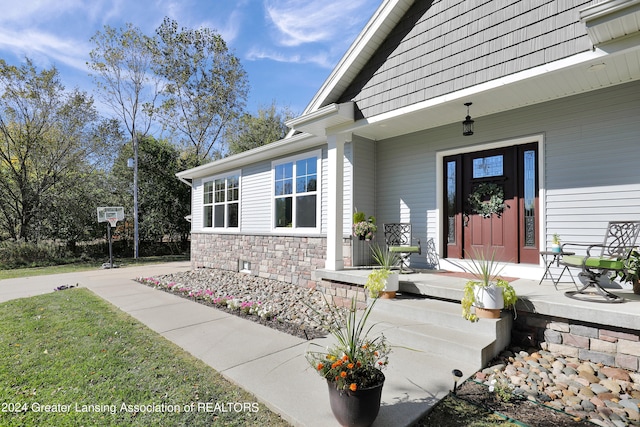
{"x":280,"y":305}
{"x":604,"y":395}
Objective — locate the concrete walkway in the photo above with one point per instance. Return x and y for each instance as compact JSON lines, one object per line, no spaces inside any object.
{"x":265,"y":362}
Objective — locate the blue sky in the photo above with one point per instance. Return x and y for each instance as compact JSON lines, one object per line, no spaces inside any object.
{"x":287,"y":47}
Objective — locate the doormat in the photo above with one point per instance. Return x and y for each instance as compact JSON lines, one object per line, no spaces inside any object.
{"x":470,"y":276}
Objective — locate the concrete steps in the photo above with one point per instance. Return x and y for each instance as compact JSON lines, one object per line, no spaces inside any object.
{"x":437,"y":327}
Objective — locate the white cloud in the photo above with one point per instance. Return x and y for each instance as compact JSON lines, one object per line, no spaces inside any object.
{"x":321,"y":59}
{"x":303,"y":21}
{"x":42,"y":46}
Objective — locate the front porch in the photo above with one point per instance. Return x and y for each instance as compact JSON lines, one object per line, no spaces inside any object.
{"x":546,"y":318}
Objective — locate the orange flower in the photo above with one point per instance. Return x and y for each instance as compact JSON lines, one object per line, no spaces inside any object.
{"x":380,"y":363}
{"x":350,"y":366}
{"x":343,"y":374}
{"x":353,"y":387}
{"x":364,"y":346}
{"x":320,"y":366}
{"x":345,"y":358}
{"x":358,"y":364}
{"x":337,"y":378}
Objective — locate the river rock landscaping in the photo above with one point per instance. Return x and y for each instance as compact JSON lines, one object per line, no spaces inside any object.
{"x":605,"y":396}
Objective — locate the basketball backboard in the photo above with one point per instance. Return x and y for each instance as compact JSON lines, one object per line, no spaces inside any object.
{"x":110,"y":214}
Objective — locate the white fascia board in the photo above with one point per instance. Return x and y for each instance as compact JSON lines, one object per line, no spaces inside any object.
{"x":611,"y":19}
{"x":606,"y":9}
{"x":265,"y":152}
{"x":378,"y":27}
{"x":489,"y":86}
{"x":317,"y":122}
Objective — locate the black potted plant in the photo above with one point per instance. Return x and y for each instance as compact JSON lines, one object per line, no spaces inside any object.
{"x":353,"y":366}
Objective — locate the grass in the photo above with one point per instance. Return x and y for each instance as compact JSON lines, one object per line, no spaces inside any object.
{"x":77,"y":353}
{"x":84,"y":266}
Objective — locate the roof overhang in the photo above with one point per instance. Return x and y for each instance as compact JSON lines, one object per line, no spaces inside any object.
{"x":611,"y":19}
{"x":383,"y":21}
{"x":613,"y":63}
{"x":283,"y":147}
{"x":317,"y":122}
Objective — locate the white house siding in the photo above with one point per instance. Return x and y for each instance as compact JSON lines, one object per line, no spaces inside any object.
{"x":591,"y":158}
{"x":364,"y":183}
{"x":289,"y":257}
{"x":196,"y":205}
{"x":256,"y":198}
{"x":456,"y":44}
{"x":347,"y":177}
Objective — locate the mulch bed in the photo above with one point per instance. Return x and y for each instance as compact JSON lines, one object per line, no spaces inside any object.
{"x":518,"y":408}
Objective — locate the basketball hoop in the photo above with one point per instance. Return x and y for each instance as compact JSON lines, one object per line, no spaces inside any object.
{"x":110,"y":214}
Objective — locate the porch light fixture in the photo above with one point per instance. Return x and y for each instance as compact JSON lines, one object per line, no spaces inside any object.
{"x":467,"y":125}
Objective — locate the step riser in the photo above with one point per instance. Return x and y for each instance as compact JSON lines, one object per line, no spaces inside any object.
{"x":437,"y":327}
{"x":450,"y":316}
{"x":398,"y":337}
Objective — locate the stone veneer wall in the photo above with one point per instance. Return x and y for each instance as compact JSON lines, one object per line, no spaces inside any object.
{"x":596,"y":343}
{"x":285,"y":258}
{"x":341,"y":294}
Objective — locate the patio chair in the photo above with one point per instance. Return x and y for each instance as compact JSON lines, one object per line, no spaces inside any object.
{"x":602,"y":260}
{"x":398,"y":238}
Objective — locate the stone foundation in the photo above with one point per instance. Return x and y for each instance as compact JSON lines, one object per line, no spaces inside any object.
{"x":285,"y":258}
{"x":595,"y":343}
{"x":341,"y":294}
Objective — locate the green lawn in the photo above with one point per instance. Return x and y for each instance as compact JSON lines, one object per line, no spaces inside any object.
{"x":69,"y":358}
{"x":83,"y":266}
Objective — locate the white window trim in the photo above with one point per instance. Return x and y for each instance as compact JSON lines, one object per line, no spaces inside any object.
{"x":213,"y":204}
{"x":298,"y":230}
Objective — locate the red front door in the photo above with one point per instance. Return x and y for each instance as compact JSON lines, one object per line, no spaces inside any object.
{"x":490,"y":181}
{"x":491,"y":204}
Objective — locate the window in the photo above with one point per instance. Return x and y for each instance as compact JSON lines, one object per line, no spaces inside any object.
{"x":222,"y":202}
{"x":485,"y":167}
{"x":296,"y":192}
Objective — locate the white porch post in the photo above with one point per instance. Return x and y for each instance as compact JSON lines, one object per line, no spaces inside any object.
{"x":335,"y":204}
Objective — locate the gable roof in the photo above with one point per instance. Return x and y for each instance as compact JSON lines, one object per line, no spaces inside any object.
{"x":381,"y":24}
{"x":611,"y":56}
{"x":598,"y":47}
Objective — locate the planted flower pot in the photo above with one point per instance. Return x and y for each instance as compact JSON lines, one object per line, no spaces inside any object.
{"x":355,"y":408}
{"x":392,"y":285}
{"x":489,"y":301}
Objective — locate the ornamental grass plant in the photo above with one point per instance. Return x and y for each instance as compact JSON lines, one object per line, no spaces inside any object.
{"x":356,"y":361}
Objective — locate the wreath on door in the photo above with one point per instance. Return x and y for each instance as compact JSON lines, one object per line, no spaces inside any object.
{"x":487,"y":199}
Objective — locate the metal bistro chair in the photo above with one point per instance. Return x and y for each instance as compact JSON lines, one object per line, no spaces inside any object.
{"x":619,"y":241}
{"x":397,"y":236}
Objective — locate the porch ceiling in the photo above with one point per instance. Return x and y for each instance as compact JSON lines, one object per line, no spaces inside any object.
{"x":610,"y":64}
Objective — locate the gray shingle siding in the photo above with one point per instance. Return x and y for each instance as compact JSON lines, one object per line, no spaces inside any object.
{"x":444,"y":46}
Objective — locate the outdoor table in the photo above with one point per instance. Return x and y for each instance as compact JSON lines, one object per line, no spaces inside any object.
{"x":550,"y":258}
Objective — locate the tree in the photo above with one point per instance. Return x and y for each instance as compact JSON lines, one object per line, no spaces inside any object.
{"x":206,"y":87}
{"x":72,"y":216}
{"x":122,"y":60}
{"x":164,"y":200}
{"x":45,"y":141}
{"x":253,"y":131}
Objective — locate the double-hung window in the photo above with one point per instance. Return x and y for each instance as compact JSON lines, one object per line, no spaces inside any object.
{"x":296,"y":192}
{"x":222,"y":202}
